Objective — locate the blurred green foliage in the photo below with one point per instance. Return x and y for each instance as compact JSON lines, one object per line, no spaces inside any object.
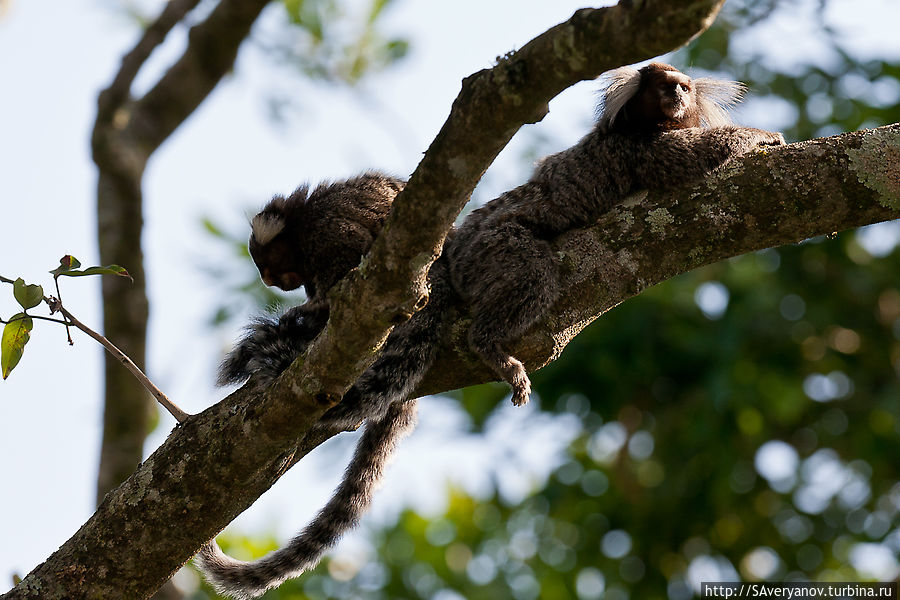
{"x":741,"y":420}
{"x":328,"y":40}
{"x":337,"y":41}
{"x":824,"y":93}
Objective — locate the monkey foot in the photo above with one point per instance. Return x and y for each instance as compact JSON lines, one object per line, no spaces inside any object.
{"x":521,"y":392}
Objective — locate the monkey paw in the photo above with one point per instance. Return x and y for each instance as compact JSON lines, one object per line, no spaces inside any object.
{"x":521,"y":390}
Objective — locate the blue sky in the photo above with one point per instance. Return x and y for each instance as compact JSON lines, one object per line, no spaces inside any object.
{"x":55,"y":57}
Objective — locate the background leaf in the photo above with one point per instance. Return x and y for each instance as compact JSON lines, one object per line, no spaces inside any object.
{"x":107,"y":270}
{"x":12,"y":345}
{"x":66,"y":263}
{"x":28,"y":296}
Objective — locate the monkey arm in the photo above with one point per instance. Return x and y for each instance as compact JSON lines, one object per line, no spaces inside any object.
{"x":577,"y":186}
{"x":687,"y":155}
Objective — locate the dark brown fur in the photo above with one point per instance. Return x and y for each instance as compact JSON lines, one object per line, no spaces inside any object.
{"x":313,"y":240}
{"x":499,"y":263}
{"x":321,"y":235}
{"x":500,"y":260}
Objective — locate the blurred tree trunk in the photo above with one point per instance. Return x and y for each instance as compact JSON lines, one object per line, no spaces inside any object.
{"x":126,"y":133}
{"x":127,"y":406}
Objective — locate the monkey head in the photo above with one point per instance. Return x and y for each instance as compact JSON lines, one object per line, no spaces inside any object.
{"x":667,"y":98}
{"x":659,"y":97}
{"x":272,"y":248}
{"x":315,"y":238}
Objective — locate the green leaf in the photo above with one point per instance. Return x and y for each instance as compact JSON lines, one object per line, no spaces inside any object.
{"x":28,"y":296}
{"x":397,"y":49}
{"x":12,"y":345}
{"x":293,"y":8}
{"x":66,"y":263}
{"x":377,"y":7}
{"x":107,"y":270}
{"x":212,"y":228}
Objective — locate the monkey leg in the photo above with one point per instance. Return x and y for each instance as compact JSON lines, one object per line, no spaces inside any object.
{"x":504,"y":364}
{"x":512,"y":284}
{"x":406,"y":356}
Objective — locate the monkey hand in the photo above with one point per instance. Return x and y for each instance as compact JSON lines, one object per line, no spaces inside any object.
{"x":521,"y":387}
{"x":770,"y":138}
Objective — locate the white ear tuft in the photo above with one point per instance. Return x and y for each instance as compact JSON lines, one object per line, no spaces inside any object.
{"x":265,"y":226}
{"x":715,"y":97}
{"x":619,"y":86}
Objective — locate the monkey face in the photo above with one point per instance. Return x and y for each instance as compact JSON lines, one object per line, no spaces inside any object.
{"x":671,"y":95}
{"x":664,"y":99}
{"x":658,"y":98}
{"x":277,"y":263}
{"x":675,"y":95}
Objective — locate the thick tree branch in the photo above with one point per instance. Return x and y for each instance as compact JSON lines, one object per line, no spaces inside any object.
{"x":489,"y":109}
{"x":782,"y":195}
{"x":217,"y":463}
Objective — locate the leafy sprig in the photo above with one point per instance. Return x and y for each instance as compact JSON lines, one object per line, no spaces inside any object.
{"x":17,"y":329}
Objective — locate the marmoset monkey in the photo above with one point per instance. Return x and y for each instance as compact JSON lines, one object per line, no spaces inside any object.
{"x":314,"y":239}
{"x":657,"y":128}
{"x":311,"y":239}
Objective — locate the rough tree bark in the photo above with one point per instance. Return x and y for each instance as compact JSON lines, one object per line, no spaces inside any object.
{"x":217,"y":463}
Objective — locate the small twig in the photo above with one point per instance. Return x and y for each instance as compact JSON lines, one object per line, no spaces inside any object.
{"x":59,"y":297}
{"x":176,"y":412}
{"x":55,"y":305}
{"x":29,"y":316}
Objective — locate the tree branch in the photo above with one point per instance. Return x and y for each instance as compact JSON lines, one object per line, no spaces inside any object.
{"x":494,"y":103}
{"x":489,"y":109}
{"x":178,"y":414}
{"x":216,"y":464}
{"x":118,"y":92}
{"x":211,"y":52}
{"x":779,"y":196}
